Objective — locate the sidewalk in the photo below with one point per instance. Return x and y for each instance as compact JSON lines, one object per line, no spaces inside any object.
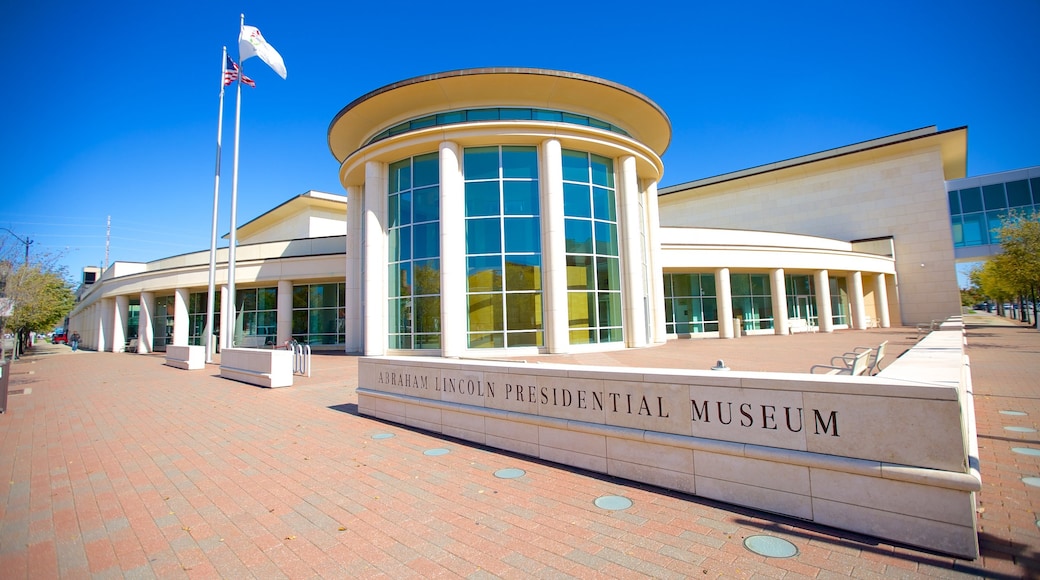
{"x":114,"y":465}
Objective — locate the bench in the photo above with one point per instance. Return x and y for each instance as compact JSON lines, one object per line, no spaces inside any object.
{"x":854,"y":364}
{"x":874,"y":364}
{"x":269,"y":368}
{"x":191,"y":358}
{"x":131,"y":345}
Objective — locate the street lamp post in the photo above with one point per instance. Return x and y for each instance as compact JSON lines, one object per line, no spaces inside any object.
{"x":26,"y":241}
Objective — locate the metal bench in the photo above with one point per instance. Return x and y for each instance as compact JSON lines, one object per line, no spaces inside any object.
{"x":854,"y":364}
{"x":874,"y":364}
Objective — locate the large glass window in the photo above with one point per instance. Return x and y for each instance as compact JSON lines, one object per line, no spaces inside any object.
{"x":256,"y":325}
{"x":839,"y":300}
{"x":593,"y":264}
{"x":689,"y":303}
{"x":319,"y":312}
{"x":133,"y":318}
{"x":197,"y":317}
{"x":801,"y":297}
{"x":414,"y":253}
{"x":162,"y":323}
{"x":752,"y":300}
{"x":503,"y":247}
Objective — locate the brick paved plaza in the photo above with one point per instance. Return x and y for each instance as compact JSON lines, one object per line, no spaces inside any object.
{"x":114,"y":465}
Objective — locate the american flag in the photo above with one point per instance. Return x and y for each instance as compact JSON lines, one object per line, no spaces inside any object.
{"x":231,"y":74}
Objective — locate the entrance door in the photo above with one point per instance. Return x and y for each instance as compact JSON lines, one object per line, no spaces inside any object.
{"x":806,"y":309}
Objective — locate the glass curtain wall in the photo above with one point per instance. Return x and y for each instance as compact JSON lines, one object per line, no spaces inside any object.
{"x":257,"y":317}
{"x":752,"y":300}
{"x":133,"y":318}
{"x":593,"y":266}
{"x":977,"y":212}
{"x":839,"y":300}
{"x":197,"y":317}
{"x":503,"y":247}
{"x":690,"y":304}
{"x":414,"y":254}
{"x":801,"y":297}
{"x":318,"y":313}
{"x":162,"y":323}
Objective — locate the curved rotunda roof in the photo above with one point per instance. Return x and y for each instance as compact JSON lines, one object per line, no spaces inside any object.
{"x":608,"y":101}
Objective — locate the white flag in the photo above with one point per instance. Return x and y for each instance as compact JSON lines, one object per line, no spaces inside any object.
{"x":252,"y":43}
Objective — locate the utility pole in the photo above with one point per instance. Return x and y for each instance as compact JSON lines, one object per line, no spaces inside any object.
{"x":26,"y":241}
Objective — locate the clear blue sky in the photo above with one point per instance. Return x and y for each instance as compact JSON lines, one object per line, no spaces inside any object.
{"x":111,"y":109}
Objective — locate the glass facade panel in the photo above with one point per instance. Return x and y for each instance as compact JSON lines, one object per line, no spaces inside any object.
{"x":690,"y":303}
{"x":594,"y":309}
{"x":955,"y":202}
{"x":993,"y":196}
{"x":1018,"y":193}
{"x":752,"y":300}
{"x":801,"y":297}
{"x":839,"y":300}
{"x":197,"y":317}
{"x":974,"y":229}
{"x":256,"y":317}
{"x":971,"y":200}
{"x":319,"y":313}
{"x":503,"y":247}
{"x":413,"y":260}
{"x":162,"y":323}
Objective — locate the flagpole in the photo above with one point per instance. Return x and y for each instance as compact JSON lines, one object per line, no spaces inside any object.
{"x":213,"y":231}
{"x":233,"y":320}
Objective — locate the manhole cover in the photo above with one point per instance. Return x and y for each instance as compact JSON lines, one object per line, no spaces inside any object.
{"x":613,"y":502}
{"x":510,"y":473}
{"x":435,"y":452}
{"x":382,"y":435}
{"x":770,"y":546}
{"x":1026,"y":451}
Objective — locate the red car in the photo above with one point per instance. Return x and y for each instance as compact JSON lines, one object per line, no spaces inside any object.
{"x":59,"y":336}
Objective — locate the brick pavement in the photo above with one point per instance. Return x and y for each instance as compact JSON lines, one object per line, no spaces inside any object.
{"x":113,"y":465}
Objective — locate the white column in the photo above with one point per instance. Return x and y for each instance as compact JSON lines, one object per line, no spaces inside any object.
{"x":859,"y":311}
{"x":374,"y":252}
{"x":657,"y":327}
{"x":144,"y":323}
{"x":454,"y":306}
{"x":180,"y":317}
{"x":353,"y":319}
{"x":823,"y":302}
{"x":881,"y":300}
{"x":104,"y":324}
{"x":119,"y":316}
{"x":283,"y":317}
{"x":779,"y":296}
{"x":724,"y":302}
{"x":554,"y":250}
{"x":634,"y":296}
{"x":225,"y":329}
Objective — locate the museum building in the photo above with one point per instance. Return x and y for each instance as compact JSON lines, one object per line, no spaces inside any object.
{"x":514,"y":210}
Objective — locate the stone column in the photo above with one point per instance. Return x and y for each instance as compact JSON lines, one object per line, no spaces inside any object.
{"x":859,"y":311}
{"x":144,"y":323}
{"x":284,"y":316}
{"x":824,"y":316}
{"x":454,"y":306}
{"x":119,"y":320}
{"x":881,"y":300}
{"x":375,"y":260}
{"x":724,"y":302}
{"x":634,"y":295}
{"x":353,"y":316}
{"x":181,"y":323}
{"x":658,"y":334}
{"x":554,"y":249}
{"x":104,"y":324}
{"x":779,"y":296}
{"x":226,"y":331}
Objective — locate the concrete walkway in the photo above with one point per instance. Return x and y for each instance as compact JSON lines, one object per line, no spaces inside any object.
{"x":114,"y":465}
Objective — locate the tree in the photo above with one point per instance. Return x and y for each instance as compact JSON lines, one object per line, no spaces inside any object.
{"x":40,"y":299}
{"x":1015,"y":272}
